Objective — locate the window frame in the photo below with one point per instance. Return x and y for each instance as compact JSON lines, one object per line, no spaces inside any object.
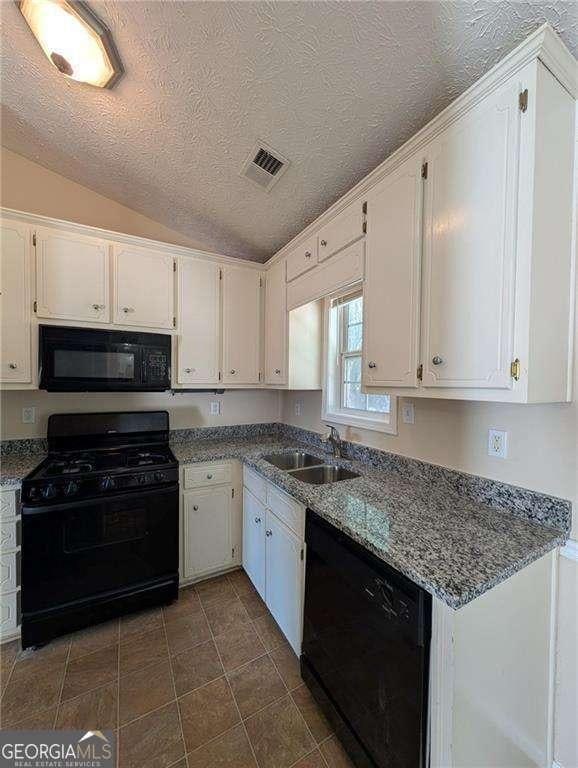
{"x":333,"y":373}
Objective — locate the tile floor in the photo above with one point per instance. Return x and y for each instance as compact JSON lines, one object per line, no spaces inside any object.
{"x":207,"y":682}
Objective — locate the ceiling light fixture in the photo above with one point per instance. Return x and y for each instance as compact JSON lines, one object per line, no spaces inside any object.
{"x":74,"y":39}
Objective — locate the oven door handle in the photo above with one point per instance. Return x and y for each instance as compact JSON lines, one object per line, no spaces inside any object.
{"x":68,"y":505}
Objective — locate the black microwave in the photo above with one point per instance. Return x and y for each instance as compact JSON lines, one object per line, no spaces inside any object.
{"x":96,"y":360}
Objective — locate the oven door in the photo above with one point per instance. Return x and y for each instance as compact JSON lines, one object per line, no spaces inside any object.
{"x":82,"y":550}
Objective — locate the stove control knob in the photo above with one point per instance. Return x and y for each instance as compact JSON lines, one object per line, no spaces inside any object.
{"x":70,"y":488}
{"x":142,"y":479}
{"x":107,"y":483}
{"x":159,"y":476}
{"x":49,"y":491}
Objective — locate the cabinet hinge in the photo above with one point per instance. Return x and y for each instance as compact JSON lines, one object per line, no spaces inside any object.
{"x":220,"y":274}
{"x":515,"y":369}
{"x":34,"y":239}
{"x":424,"y":171}
{"x":259,"y":375}
{"x":174,"y":322}
{"x":174,"y":266}
{"x":420,"y":372}
{"x":364,"y":211}
{"x":301,"y":554}
{"x":35,"y":306}
{"x":260,"y":282}
{"x":232,"y":493}
{"x":219,"y":375}
{"x":523,"y":100}
{"x":232,"y":552}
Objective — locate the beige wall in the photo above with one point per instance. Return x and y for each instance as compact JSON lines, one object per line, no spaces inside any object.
{"x":27,"y":186}
{"x":186,"y":410}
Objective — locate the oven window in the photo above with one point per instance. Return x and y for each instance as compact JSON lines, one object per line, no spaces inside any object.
{"x":93,"y":364}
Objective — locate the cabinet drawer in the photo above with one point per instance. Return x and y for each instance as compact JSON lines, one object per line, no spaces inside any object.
{"x":343,"y":230}
{"x":9,"y":567}
{"x":289,"y":511}
{"x":256,"y":484}
{"x":302,"y":259}
{"x":207,"y":474}
{"x":9,"y":613}
{"x":7,"y":504}
{"x":8,"y":534}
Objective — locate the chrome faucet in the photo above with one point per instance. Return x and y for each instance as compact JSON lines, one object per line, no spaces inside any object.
{"x":332,"y":441}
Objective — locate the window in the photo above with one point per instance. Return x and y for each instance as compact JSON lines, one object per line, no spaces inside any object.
{"x":344,"y":402}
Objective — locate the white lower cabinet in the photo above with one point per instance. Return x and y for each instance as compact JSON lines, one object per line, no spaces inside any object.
{"x":273,"y":552}
{"x":210,"y":521}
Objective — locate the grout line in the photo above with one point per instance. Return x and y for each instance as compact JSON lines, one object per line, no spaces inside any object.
{"x":175,"y":688}
{"x":59,"y":702}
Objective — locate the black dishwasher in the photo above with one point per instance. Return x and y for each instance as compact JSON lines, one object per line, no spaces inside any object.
{"x":365,"y":652}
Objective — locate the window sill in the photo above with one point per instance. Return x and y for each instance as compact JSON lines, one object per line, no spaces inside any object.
{"x":361,"y":422}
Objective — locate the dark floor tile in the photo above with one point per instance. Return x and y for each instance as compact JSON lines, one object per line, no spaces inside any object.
{"x":279,"y":735}
{"x":39,"y":660}
{"x":231,"y":750}
{"x":90,"y":671}
{"x":313,"y":760}
{"x":215,"y":590}
{"x":138,"y":651}
{"x":242,"y":584}
{"x":255,"y":685}
{"x":188,"y":604}
{"x":226,"y":616}
{"x":187,"y":632}
{"x":334,"y":754}
{"x":40,"y":721}
{"x":30,"y":691}
{"x":94,"y":639}
{"x":153,"y":741}
{"x":207,"y":712}
{"x":269,"y":632}
{"x":238,"y":646}
{"x":287,"y":664}
{"x":253,"y":604}
{"x":312,"y":714}
{"x":144,"y":621}
{"x":145,"y":690}
{"x":195,"y":667}
{"x":8,"y":653}
{"x":95,"y":710}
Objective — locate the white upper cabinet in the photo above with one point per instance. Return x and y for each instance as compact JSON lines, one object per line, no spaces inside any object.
{"x":144,"y":283}
{"x":241,"y":325}
{"x":341,"y":231}
{"x":302,"y":259}
{"x":15,"y":303}
{"x":391,"y":289}
{"x":276,"y":325}
{"x":470,"y":247}
{"x":199,"y":322}
{"x":72,"y":277}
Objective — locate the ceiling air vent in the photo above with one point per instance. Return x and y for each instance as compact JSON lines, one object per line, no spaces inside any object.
{"x":264,"y":166}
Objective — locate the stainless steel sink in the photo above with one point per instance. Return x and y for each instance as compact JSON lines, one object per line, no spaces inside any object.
{"x":294,"y":460}
{"x":326,"y":473}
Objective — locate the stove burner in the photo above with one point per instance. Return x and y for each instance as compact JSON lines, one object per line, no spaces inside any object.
{"x":70,"y":467}
{"x":145,"y":458}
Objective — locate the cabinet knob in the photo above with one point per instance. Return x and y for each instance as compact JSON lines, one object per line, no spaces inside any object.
{"x":437,"y":360}
{"x":209,"y":477}
{"x":189,"y":370}
{"x":307,"y":254}
{"x":371,"y":364}
{"x":268,"y":533}
{"x":323,"y":243}
{"x":233,"y":371}
{"x":12,"y":366}
{"x":257,"y":519}
{"x":196,"y":508}
{"x":98,"y":307}
{"x":278,"y":371}
{"x":126,"y":310}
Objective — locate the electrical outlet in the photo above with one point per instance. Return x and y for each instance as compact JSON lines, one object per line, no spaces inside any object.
{"x":298,"y":407}
{"x":498,"y":443}
{"x":215,"y":408}
{"x":29,"y":415}
{"x":408,"y":413}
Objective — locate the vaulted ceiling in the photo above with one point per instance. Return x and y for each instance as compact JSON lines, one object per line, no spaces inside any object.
{"x":333,"y":86}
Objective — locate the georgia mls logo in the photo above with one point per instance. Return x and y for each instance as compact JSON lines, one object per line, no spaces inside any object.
{"x":57,"y":749}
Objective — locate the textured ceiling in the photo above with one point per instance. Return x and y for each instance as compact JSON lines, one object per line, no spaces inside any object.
{"x":334,"y":86}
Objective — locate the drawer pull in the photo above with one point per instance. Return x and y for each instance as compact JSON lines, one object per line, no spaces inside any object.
{"x":278,"y":371}
{"x":371,"y":364}
{"x":209,"y":477}
{"x":437,"y":360}
{"x":195,"y":508}
{"x":12,"y":366}
{"x":126,"y":310}
{"x":324,"y":243}
{"x":307,"y":254}
{"x":257,"y":520}
{"x":268,"y":533}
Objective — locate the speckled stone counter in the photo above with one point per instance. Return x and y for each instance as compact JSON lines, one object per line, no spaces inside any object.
{"x":456,"y":535}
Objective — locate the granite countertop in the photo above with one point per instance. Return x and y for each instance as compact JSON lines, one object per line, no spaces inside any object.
{"x":449,"y":543}
{"x":454,"y":547}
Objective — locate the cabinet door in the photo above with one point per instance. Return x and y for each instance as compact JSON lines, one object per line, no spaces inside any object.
{"x":207,"y":530}
{"x":469,"y":247}
{"x":284,"y":579}
{"x":144,"y":287}
{"x":391,"y":290}
{"x":15,"y":307}
{"x":254,"y":518}
{"x":341,"y":231}
{"x":302,"y":259}
{"x":276,"y":325}
{"x":72,"y":277}
{"x":199,"y":326}
{"x":241,"y":325}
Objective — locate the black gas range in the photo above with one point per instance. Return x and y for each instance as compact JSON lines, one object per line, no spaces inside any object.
{"x":100,"y":523}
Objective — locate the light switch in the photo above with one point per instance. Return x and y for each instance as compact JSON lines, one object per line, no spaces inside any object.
{"x":29,"y":415}
{"x":215,"y":407}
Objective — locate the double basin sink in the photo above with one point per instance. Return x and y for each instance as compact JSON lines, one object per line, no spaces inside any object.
{"x":308,"y":468}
